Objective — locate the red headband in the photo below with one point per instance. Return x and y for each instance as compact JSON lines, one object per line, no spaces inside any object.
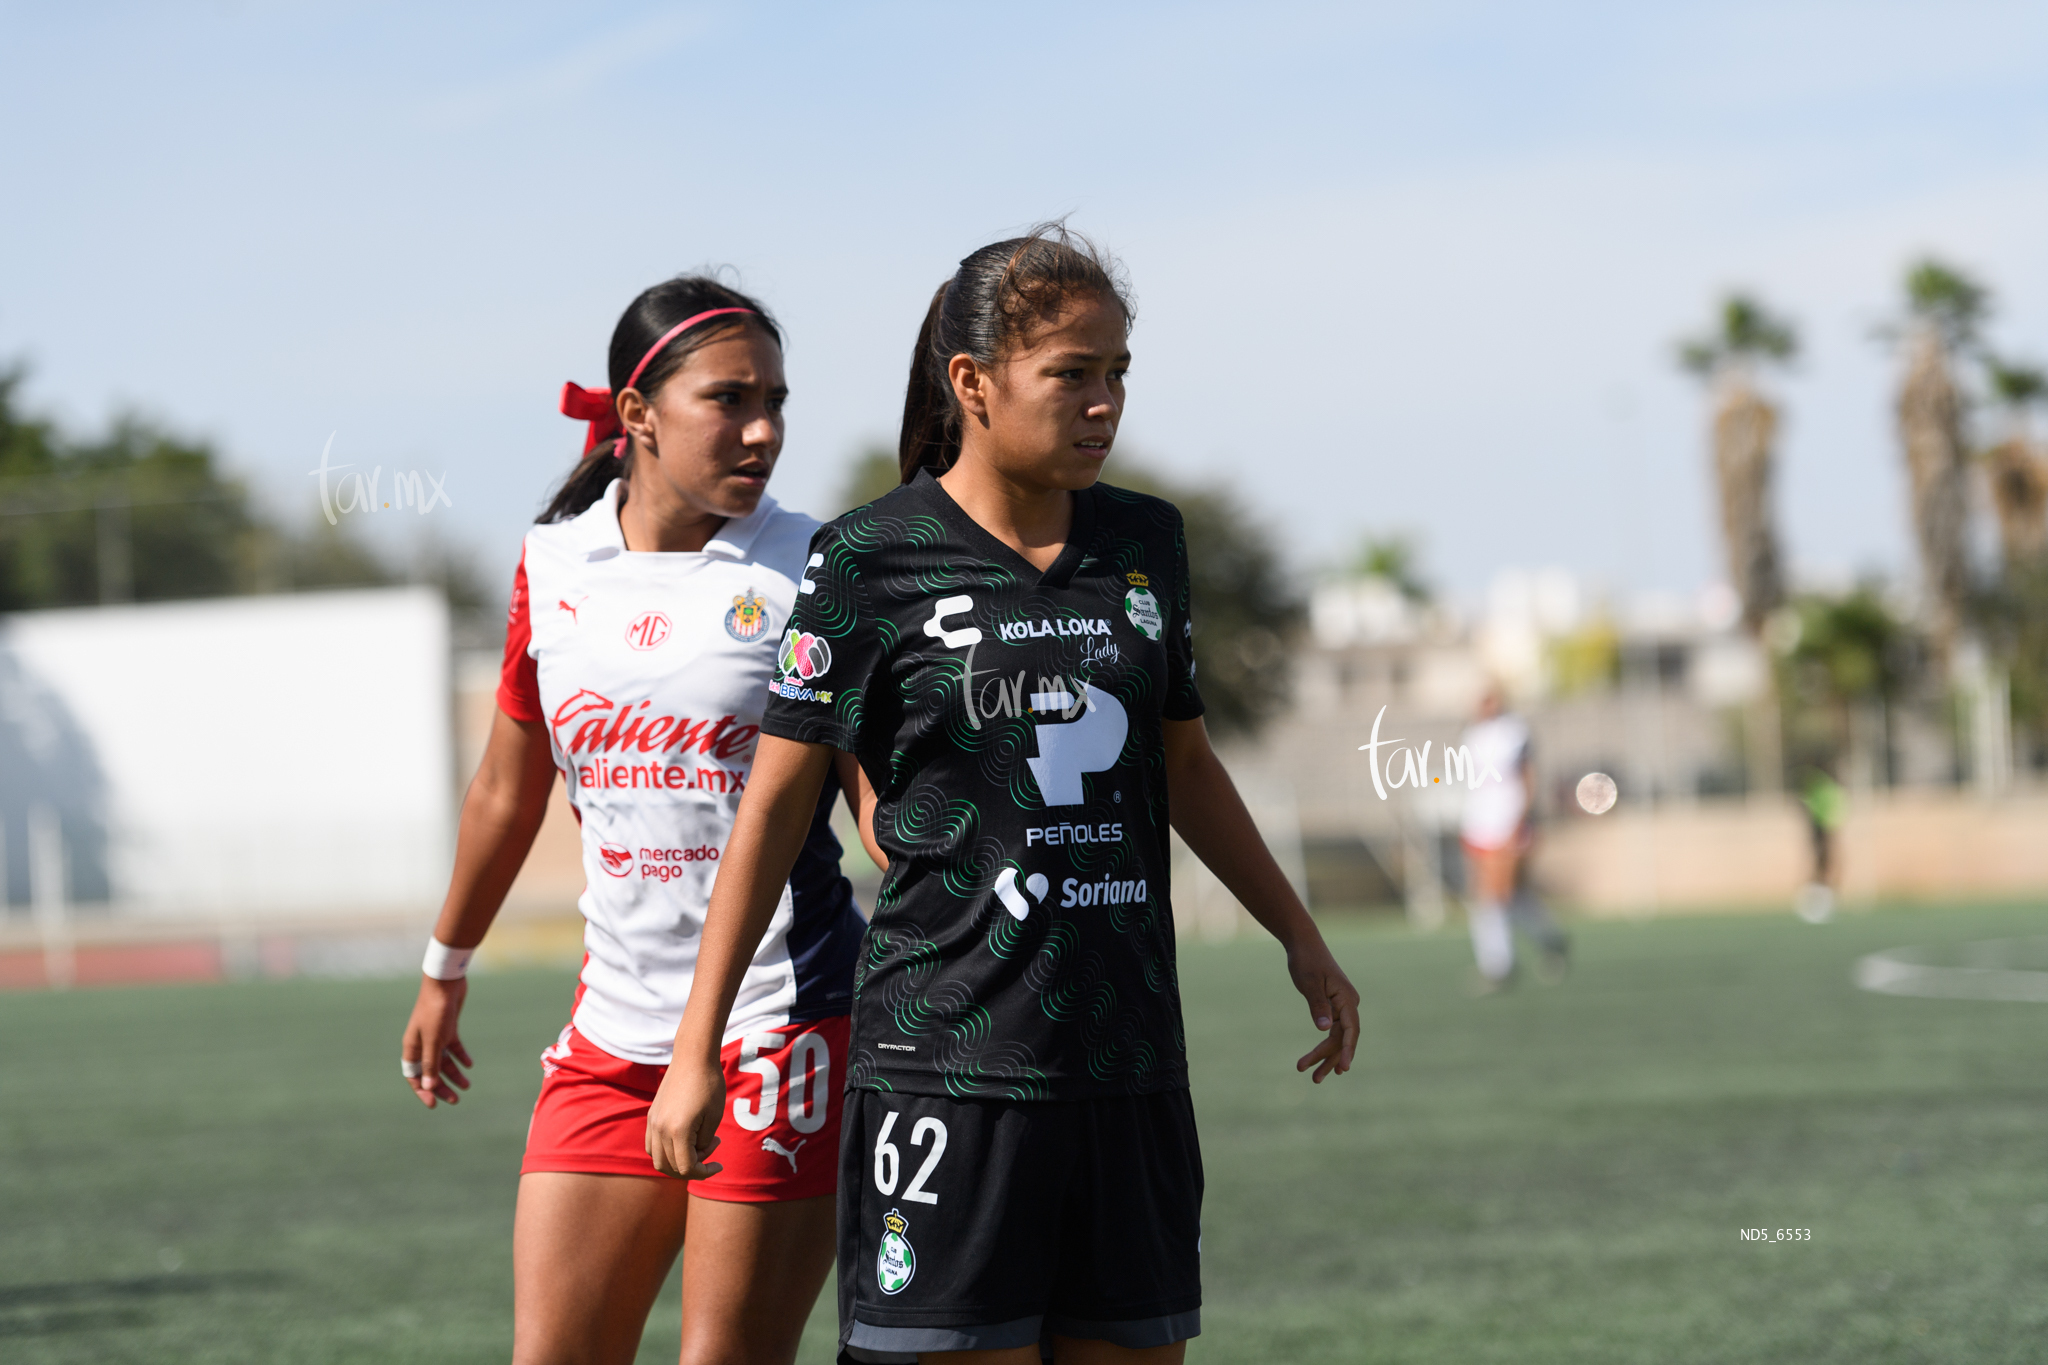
{"x":596,"y":407}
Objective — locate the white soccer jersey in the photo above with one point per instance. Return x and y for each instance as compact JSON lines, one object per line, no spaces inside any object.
{"x":1495,"y":809}
{"x":650,"y":673}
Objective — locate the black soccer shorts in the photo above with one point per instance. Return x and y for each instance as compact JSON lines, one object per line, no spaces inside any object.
{"x":991,"y":1224}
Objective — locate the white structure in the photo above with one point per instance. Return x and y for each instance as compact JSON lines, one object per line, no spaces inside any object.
{"x":242,"y":757}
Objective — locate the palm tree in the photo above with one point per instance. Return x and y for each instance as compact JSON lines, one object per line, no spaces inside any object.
{"x":1745,"y":423}
{"x":1746,"y":338}
{"x":1944,"y":309}
{"x":2018,"y":473}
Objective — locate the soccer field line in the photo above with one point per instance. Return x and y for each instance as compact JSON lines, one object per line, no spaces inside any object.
{"x":1899,"y":971}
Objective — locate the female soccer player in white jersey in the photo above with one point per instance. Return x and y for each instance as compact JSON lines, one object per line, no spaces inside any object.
{"x":1005,"y":645}
{"x":646,"y":615}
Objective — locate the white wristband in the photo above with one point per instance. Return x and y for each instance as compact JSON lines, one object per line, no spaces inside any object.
{"x":445,"y":963}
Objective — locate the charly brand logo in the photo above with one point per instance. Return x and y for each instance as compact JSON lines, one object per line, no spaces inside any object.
{"x":748,"y":619}
{"x":1006,"y":892}
{"x":895,"y":1263}
{"x":648,"y":630}
{"x":958,"y":638}
{"x":358,"y":492}
{"x":1460,"y":764}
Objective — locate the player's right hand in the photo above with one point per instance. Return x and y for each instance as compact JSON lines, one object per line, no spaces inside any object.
{"x":682,"y":1123}
{"x":432,"y":1040}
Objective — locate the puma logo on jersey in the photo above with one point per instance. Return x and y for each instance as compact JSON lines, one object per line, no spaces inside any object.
{"x":1089,"y":744}
{"x":564,"y":604}
{"x":557,"y":1053}
{"x":786,"y":1153}
{"x":952,"y":639}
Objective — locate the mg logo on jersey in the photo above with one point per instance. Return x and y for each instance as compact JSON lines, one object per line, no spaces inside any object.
{"x":649,"y":629}
{"x":1088,"y":744}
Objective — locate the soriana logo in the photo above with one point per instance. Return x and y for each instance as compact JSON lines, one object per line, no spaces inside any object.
{"x":649,"y":629}
{"x":804,"y":656}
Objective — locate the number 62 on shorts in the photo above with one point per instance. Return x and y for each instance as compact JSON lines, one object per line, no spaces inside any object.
{"x":889,"y":1159}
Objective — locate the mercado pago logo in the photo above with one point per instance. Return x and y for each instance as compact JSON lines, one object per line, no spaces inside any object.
{"x":655,"y":864}
{"x":360,"y":492}
{"x":613,"y":745}
{"x":1460,"y":764}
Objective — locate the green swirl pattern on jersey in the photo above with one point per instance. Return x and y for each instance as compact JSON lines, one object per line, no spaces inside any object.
{"x":1017,"y":950}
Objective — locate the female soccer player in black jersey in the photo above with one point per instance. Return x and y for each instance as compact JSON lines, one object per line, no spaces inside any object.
{"x":1004,"y":644}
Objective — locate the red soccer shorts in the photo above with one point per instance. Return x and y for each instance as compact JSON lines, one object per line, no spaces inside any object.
{"x":779,"y":1139}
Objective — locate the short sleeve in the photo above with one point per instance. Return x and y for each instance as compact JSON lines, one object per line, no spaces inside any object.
{"x":519,"y":679}
{"x":1183,"y":698}
{"x":831,"y":656}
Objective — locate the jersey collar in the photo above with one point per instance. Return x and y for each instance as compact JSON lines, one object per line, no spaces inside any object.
{"x":1058,"y":575}
{"x":732,"y":541}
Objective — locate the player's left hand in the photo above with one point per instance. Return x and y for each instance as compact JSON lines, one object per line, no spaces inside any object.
{"x":1332,"y":1005}
{"x":682,"y":1123}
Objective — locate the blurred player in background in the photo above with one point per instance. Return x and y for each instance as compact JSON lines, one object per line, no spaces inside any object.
{"x":1825,"y":804}
{"x":1498,"y":832}
{"x":644,"y":625}
{"x":1006,"y":645}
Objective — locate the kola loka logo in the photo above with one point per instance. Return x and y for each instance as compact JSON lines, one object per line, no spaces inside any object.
{"x":895,"y":1262}
{"x":1014,"y":631}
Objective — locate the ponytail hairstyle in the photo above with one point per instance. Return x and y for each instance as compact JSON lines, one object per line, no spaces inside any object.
{"x":998,"y":297}
{"x":641,"y":327}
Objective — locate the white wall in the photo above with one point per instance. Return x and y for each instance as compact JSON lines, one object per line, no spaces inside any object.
{"x":247,"y":756}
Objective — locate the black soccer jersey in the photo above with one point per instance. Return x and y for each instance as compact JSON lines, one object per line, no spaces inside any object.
{"x":1022,"y":944}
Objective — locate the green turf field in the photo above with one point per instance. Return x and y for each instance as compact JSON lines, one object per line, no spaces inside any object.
{"x":235,"y":1173}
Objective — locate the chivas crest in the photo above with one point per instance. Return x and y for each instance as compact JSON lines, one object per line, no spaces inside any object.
{"x":748,"y":619}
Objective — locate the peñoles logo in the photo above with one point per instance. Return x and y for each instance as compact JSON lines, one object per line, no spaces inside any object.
{"x":607,"y":726}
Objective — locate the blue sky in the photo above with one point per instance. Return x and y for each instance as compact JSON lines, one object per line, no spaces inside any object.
{"x":1398,"y":267}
